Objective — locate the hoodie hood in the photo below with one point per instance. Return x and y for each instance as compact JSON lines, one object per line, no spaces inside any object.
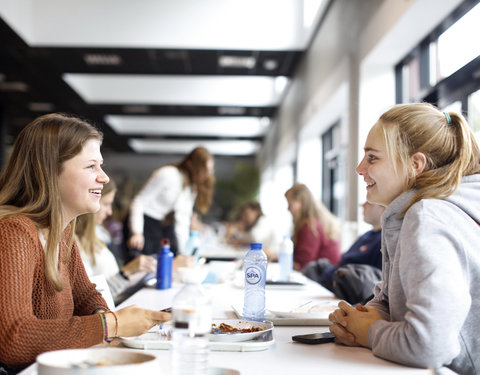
{"x":466,"y":198}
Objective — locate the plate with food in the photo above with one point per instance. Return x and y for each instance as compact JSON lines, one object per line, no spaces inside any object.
{"x":235,"y":330}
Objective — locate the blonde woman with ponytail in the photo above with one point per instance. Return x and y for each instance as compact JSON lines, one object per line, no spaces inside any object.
{"x":47,"y":302}
{"x":423,"y":165}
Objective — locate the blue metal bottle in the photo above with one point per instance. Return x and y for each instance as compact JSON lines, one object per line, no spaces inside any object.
{"x":164,"y":266}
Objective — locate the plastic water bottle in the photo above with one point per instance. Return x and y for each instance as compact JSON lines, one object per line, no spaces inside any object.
{"x":192,"y":323}
{"x":164,"y":266}
{"x":193,"y":244}
{"x":285,"y":258}
{"x":255,"y":268}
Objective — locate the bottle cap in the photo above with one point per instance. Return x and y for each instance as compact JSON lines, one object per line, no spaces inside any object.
{"x":256,"y":246}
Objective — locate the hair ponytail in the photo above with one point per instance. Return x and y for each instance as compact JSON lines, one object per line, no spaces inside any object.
{"x":445,"y":139}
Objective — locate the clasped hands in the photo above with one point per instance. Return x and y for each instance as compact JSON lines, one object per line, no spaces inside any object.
{"x":350,"y":324}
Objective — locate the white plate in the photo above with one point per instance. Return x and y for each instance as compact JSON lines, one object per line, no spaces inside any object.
{"x":157,"y":338}
{"x":317,"y":310}
{"x":97,"y":361}
{"x":240,"y":324}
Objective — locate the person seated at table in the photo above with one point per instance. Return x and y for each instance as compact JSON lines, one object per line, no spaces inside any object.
{"x":316,"y":231}
{"x":96,"y":256}
{"x":423,"y":165}
{"x":253,"y":226}
{"x":360,"y":267}
{"x":54,"y":174}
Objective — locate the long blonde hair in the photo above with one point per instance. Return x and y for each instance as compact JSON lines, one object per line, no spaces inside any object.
{"x":85,"y":228}
{"x":310,"y":212}
{"x":29,"y":181}
{"x":445,"y":139}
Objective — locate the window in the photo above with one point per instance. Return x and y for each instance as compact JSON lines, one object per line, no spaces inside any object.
{"x":474,"y":112}
{"x":331,"y":191}
{"x":459,"y":44}
{"x":444,"y":68}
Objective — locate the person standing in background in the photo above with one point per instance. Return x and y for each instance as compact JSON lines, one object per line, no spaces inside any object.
{"x":164,"y":206}
{"x":316,"y":231}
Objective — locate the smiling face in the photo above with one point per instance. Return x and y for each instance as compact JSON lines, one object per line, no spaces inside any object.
{"x":81,"y":182}
{"x":385,"y":178}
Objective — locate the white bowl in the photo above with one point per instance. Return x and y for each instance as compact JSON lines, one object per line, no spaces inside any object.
{"x":104,"y":361}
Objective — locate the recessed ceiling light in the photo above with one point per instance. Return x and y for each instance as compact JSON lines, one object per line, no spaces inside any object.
{"x":102,"y":59}
{"x":136,"y":109}
{"x":247,"y":62}
{"x":220,"y":147}
{"x":14,"y":86}
{"x":41,"y":107}
{"x":270,"y":64}
{"x":231,"y":110}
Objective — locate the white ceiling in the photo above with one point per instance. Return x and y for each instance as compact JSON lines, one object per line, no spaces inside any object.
{"x":204,"y":24}
{"x":268,"y":25}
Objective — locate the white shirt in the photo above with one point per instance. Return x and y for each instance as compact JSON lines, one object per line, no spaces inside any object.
{"x":165,"y":192}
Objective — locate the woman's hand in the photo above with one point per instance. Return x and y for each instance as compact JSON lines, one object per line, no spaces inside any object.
{"x":143,"y":263}
{"x":338,"y":328}
{"x":350,"y":325}
{"x":136,"y":241}
{"x":134,"y":321}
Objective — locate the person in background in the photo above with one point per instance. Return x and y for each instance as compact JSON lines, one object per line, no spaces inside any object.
{"x":164,"y":206}
{"x":365,"y":252}
{"x":316,"y":231}
{"x":96,"y":256}
{"x":253,"y":226}
{"x":54,"y":174}
{"x":423,"y":165}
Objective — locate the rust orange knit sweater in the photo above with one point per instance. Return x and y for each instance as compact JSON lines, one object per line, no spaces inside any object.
{"x":34,"y":317}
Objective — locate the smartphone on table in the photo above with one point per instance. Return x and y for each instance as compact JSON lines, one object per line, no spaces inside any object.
{"x":315,"y":338}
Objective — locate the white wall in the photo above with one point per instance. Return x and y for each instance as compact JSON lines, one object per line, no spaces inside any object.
{"x":348,"y":75}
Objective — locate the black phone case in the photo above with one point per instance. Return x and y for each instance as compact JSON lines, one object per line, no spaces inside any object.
{"x":309,"y":339}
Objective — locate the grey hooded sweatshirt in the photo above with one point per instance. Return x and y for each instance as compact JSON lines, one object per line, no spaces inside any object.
{"x":430,"y":292}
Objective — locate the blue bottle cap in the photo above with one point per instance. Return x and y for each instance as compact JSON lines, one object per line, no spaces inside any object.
{"x":256,"y":246}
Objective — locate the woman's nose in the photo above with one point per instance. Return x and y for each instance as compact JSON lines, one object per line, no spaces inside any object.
{"x":102,"y":177}
{"x":360,"y":168}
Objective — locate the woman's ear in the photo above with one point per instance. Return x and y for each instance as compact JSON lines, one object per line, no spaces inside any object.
{"x":419,"y":161}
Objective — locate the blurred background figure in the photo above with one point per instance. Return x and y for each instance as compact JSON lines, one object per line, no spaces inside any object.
{"x":316,"y":231}
{"x":92,"y":239}
{"x":164,"y":206}
{"x":252,"y":225}
{"x":360,"y":268}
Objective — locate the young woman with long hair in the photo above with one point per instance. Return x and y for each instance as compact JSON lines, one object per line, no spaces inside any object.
{"x":164,"y":206}
{"x":47,"y":302}
{"x":316,"y":231}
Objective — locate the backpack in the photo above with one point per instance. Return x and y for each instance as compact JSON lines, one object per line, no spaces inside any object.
{"x":355,"y":282}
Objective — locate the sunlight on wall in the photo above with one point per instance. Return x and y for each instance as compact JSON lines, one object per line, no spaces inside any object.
{"x":272,"y":197}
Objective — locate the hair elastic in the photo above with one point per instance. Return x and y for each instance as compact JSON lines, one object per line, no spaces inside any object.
{"x":449,"y":119}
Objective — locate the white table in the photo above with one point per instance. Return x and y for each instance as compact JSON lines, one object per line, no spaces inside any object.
{"x":285,"y":356}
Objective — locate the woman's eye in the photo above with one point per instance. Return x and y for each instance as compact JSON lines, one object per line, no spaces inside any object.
{"x":371,"y":158}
